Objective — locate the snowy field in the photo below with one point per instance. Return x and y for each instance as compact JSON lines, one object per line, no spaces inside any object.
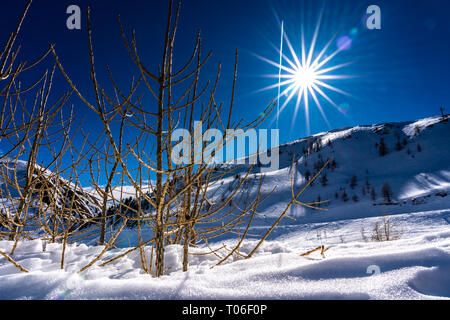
{"x":416,"y":266}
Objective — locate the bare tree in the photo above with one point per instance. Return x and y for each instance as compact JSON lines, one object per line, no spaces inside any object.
{"x":183,"y":205}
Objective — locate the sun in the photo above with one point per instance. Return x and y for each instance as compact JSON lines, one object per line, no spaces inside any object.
{"x":304,"y":75}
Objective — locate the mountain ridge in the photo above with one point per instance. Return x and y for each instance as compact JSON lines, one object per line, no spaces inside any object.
{"x":415,"y":164}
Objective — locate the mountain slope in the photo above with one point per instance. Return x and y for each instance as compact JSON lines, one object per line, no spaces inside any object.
{"x":414,"y":162}
{"x":49,"y":191}
{"x":413,"y":266}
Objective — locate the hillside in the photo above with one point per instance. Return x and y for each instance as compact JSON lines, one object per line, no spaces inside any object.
{"x":48,"y":190}
{"x":413,"y":262}
{"x":416,"y":166}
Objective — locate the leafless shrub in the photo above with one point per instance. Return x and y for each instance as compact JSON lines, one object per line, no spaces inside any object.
{"x":385,"y":230}
{"x":45,"y":198}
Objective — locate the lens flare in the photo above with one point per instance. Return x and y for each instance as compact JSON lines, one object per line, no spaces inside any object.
{"x":305,"y":75}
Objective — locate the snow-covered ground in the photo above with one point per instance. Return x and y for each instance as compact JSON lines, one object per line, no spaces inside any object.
{"x":414,"y":266}
{"x":417,"y":266}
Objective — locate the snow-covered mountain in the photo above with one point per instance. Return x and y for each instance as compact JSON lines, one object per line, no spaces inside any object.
{"x":373,"y":170}
{"x":414,"y":161}
{"x":48,"y":188}
{"x":411,"y":160}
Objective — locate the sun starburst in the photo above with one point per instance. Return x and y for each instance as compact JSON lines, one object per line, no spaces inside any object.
{"x":305,"y":75}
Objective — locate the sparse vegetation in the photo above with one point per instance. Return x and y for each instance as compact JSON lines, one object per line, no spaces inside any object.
{"x":385,"y":230}
{"x":373,"y":194}
{"x":324,"y":180}
{"x":382,"y":148}
{"x":344,"y":196}
{"x":44,"y":154}
{"x":386,"y":192}
{"x":353,"y":182}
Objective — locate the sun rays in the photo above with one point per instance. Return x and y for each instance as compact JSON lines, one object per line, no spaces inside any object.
{"x":303,"y":76}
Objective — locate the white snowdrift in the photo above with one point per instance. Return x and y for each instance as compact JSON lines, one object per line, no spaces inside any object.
{"x":415,"y":267}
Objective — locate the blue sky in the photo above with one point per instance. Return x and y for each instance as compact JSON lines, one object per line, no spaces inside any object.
{"x":402,"y":70}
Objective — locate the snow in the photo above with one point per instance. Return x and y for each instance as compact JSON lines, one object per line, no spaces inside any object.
{"x":420,"y":125}
{"x":422,"y":184}
{"x":414,"y":266}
